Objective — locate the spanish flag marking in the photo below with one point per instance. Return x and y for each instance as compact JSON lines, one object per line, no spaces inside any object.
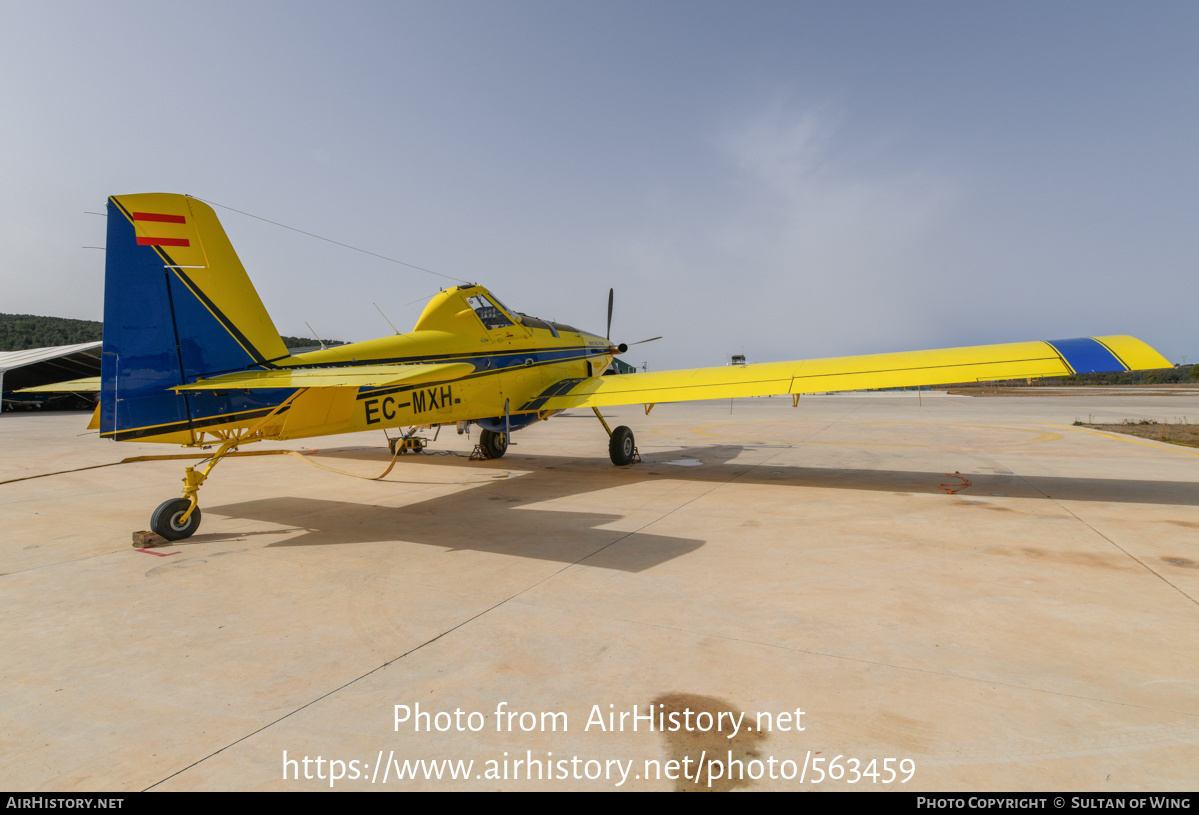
{"x":163,"y":242}
{"x":164,"y":219}
{"x":155,"y":216}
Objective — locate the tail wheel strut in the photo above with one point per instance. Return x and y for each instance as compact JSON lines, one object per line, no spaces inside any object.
{"x":179,"y":518}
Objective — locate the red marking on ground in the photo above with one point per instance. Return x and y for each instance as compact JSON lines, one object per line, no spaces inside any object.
{"x":154,"y":216}
{"x":157,"y":554}
{"x":954,"y":489}
{"x":163,"y":242}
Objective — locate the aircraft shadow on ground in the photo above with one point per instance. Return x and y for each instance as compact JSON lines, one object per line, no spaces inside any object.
{"x":719,"y":465}
{"x":480,"y":517}
{"x":468,"y":521}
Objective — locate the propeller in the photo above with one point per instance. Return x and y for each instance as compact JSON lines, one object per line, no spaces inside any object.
{"x":620,"y":349}
{"x":624,"y":346}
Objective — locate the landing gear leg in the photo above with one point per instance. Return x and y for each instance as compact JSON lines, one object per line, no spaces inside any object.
{"x":179,"y":518}
{"x":621,"y":447}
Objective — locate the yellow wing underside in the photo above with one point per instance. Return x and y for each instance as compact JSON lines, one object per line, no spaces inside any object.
{"x":983,"y":363}
{"x":88,"y":384}
{"x":360,"y":376}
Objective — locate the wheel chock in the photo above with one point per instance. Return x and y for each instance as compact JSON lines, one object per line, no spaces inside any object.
{"x":148,"y":540}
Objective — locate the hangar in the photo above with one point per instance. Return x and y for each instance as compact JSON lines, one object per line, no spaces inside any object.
{"x":34,"y":367}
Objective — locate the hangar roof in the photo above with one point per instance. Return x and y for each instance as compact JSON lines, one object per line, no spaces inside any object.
{"x":45,"y":366}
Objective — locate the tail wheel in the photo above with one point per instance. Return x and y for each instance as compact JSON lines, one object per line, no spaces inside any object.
{"x":493,"y":444}
{"x":621,"y":447}
{"x":167,"y":520}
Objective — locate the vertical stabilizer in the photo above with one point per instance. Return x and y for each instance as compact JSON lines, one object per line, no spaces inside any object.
{"x":177,"y":305}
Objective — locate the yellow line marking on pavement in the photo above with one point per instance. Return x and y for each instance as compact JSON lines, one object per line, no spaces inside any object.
{"x":1118,"y":437}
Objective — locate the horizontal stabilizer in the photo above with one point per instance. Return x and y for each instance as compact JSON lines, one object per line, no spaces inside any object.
{"x":88,"y":384}
{"x":358,"y":376}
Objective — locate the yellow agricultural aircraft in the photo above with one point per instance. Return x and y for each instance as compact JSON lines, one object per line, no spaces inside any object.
{"x":191,"y":357}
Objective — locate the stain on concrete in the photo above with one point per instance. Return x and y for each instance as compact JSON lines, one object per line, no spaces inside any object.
{"x":1181,"y":561}
{"x":682,"y":744}
{"x":158,"y":571}
{"x":1079,"y":558}
{"x":1065,"y":558}
{"x":985,"y":505}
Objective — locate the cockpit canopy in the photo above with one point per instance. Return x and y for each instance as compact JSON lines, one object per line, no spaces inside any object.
{"x":490,"y":310}
{"x":493,"y":313}
{"x":445,"y":308}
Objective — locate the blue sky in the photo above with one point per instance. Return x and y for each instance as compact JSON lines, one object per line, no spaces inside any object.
{"x":788,"y":179}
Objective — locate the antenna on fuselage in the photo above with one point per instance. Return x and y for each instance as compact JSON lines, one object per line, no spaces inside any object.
{"x":318,"y":339}
{"x":384,"y":316}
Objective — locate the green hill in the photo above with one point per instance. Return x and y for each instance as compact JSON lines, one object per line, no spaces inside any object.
{"x":21,"y":331}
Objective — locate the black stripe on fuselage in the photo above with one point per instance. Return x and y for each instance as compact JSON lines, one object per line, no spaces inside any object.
{"x":195,"y":424}
{"x":557,"y":389}
{"x":588,"y":350}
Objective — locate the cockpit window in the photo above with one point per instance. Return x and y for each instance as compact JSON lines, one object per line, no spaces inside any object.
{"x":488,"y":312}
{"x":501,"y":304}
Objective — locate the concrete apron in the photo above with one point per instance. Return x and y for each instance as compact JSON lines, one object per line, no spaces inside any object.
{"x":566,"y":624}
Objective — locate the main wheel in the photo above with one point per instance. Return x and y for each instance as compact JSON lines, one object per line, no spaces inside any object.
{"x":165,"y":520}
{"x":493,"y":444}
{"x":621,"y":447}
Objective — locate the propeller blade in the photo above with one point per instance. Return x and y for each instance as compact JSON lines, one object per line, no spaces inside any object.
{"x":611,"y":292}
{"x":651,"y":339}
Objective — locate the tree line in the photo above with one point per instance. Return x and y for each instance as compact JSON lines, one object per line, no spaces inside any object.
{"x":1164,"y":376}
{"x":21,"y":331}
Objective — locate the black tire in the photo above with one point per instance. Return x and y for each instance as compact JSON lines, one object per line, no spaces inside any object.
{"x":493,"y":444}
{"x":165,"y":520}
{"x":621,"y":446}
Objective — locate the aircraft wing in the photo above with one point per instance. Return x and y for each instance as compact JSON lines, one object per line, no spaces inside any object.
{"x":87,"y":384}
{"x":982,"y":363}
{"x":358,"y":376}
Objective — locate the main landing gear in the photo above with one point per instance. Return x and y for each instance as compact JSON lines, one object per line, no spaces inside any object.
{"x":621,"y":447}
{"x":494,"y":443}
